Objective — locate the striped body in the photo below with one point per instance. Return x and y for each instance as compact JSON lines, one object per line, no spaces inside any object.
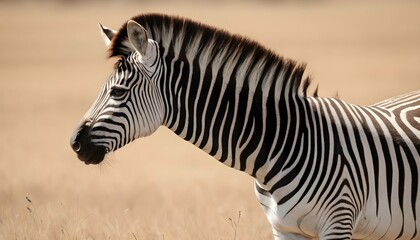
{"x":323,"y":168}
{"x":361,"y":173}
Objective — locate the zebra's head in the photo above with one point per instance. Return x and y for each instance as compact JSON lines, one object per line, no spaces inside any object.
{"x":129,"y":105}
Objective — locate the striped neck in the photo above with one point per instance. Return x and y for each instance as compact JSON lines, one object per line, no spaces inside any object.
{"x":232,"y":104}
{"x":232,"y":115}
{"x":228,"y":95}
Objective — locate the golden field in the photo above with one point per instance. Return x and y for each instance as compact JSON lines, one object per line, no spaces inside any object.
{"x":53,"y":62}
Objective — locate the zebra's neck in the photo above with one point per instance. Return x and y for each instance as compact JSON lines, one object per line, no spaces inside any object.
{"x":239,"y":105}
{"x":226,"y":94}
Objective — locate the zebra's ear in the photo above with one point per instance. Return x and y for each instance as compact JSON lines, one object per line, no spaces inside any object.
{"x":107,"y":34}
{"x":137,"y":36}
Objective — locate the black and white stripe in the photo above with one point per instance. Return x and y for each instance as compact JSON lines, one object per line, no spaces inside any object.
{"x":323,"y":168}
{"x":127,"y":107}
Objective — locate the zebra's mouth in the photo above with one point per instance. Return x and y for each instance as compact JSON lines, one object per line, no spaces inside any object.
{"x":92,"y":154}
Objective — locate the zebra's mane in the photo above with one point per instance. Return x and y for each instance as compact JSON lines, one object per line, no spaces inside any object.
{"x":182,"y":33}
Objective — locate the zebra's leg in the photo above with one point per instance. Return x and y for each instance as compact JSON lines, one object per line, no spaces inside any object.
{"x":287,"y":236}
{"x":269,"y":206}
{"x":338,"y":235}
{"x":340,"y":229}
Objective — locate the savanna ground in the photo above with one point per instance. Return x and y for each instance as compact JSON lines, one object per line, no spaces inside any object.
{"x":53,"y":62}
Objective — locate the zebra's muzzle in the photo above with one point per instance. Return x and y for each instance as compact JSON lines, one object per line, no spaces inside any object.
{"x":81,"y":143}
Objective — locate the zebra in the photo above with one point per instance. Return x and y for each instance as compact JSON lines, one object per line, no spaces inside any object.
{"x":323,"y":168}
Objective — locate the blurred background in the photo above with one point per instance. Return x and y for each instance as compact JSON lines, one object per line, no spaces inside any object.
{"x":53,"y":62}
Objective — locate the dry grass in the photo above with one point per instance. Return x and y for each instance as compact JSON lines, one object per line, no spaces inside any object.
{"x":52,"y":65}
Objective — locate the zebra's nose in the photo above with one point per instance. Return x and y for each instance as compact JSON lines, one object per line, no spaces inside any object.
{"x":76,"y":146}
{"x":80,"y":137}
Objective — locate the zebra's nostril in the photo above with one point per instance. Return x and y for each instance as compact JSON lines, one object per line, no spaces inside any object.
{"x":76,"y":146}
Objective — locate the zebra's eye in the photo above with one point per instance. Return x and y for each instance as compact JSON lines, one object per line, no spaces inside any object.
{"x":117,"y":92}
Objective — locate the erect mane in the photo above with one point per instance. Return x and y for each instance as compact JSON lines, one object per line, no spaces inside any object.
{"x":173,"y":31}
